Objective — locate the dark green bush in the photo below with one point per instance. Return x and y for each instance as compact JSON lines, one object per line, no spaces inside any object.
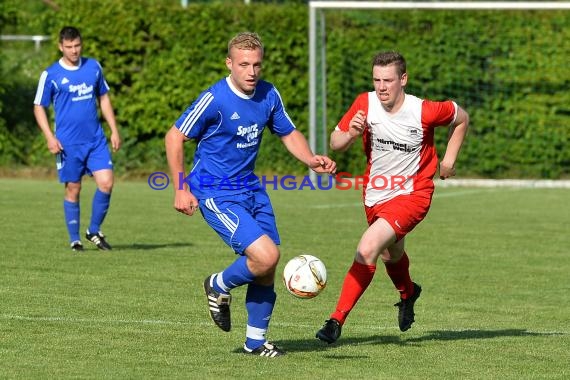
{"x":158,"y":57}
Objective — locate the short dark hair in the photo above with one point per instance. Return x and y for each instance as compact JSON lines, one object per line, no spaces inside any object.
{"x":386,"y":58}
{"x":69,"y":33}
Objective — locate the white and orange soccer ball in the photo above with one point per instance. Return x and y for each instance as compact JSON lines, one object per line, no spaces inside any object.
{"x":305,"y":276}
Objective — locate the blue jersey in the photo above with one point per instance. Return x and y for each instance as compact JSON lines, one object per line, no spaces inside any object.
{"x":228,"y":126}
{"x":74,"y":92}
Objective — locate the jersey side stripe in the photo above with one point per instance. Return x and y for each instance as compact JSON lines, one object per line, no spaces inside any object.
{"x":40,"y":89}
{"x":190,"y":120}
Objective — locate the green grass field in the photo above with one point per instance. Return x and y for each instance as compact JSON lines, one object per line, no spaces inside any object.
{"x":494,"y":265}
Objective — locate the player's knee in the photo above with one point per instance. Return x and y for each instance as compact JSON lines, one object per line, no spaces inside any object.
{"x":265,"y":264}
{"x":104,"y":180}
{"x":368,"y":251}
{"x":72,"y":190}
{"x":392,"y":255}
{"x":263,"y":256}
{"x":105,"y":184}
{"x":386,"y":257}
{"x":106,"y":187}
{"x":271,"y":259}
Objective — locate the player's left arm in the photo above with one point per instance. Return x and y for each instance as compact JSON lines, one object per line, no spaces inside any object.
{"x":457,"y":132}
{"x":297,"y":145}
{"x":109,"y":115}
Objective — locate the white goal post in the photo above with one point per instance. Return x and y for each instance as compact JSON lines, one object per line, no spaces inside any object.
{"x":316,"y":19}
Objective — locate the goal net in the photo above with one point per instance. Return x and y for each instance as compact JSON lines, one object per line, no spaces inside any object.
{"x":506,"y":63}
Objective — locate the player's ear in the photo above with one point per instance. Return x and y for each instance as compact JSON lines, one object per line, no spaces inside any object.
{"x":404,"y":79}
{"x":229,"y":63}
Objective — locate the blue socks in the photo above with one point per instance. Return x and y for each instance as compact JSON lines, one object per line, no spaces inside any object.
{"x":235,"y":275}
{"x":259,"y":302}
{"x":99,"y":209}
{"x":71,"y":212}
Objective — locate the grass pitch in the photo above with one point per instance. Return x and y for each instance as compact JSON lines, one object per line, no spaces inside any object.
{"x":494,"y":265}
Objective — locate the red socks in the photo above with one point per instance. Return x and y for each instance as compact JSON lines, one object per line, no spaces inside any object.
{"x":359,"y":277}
{"x":355,"y":283}
{"x":400,"y":275}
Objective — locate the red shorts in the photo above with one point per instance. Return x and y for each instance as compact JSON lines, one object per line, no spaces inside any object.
{"x":403,"y":212}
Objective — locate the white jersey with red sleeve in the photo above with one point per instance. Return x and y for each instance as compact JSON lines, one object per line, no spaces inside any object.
{"x":400,"y":149}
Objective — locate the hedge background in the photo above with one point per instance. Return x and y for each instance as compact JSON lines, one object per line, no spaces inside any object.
{"x":509,"y":70}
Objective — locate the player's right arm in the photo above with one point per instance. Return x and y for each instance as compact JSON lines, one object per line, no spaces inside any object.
{"x":43,"y":100}
{"x":53,"y":143}
{"x":184,"y":201}
{"x":342,"y":140}
{"x":351,"y":126}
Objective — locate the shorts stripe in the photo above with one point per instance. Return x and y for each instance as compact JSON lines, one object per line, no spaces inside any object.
{"x":226,"y":221}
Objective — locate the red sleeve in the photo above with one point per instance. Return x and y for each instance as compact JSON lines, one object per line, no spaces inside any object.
{"x":435,"y":114}
{"x":360,"y":103}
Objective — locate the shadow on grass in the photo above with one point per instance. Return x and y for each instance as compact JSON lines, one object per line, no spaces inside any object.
{"x":440,"y":335}
{"x":149,"y":246}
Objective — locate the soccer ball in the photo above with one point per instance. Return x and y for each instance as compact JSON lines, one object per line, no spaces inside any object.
{"x":305,"y":276}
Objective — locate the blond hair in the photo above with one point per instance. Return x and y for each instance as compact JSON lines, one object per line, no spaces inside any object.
{"x":245,"y":41}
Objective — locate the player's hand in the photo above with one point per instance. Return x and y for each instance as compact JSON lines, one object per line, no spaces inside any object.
{"x":54,"y":145}
{"x":446,"y":170}
{"x":322,"y":164}
{"x":358,"y":124}
{"x":115,"y":142}
{"x":185,"y":202}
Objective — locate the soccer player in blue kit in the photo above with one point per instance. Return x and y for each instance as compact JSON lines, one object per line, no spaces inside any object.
{"x":74,"y":84}
{"x":227,"y":121}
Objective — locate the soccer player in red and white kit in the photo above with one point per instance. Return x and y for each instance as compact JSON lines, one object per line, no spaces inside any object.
{"x":397,"y":131}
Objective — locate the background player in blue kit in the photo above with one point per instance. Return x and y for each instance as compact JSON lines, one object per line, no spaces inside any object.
{"x":74,"y":84}
{"x":227,"y":121}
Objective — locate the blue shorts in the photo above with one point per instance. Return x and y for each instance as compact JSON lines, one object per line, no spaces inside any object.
{"x":241,"y":219}
{"x":77,"y":160}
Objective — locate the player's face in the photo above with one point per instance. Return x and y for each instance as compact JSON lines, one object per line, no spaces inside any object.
{"x":245,"y":68}
{"x":71,"y":51}
{"x":389,"y":86}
